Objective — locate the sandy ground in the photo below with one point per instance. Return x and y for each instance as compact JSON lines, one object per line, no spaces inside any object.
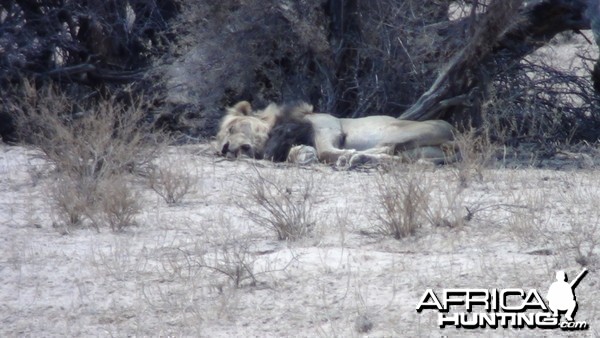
{"x":174,"y":273}
{"x":202,"y":267}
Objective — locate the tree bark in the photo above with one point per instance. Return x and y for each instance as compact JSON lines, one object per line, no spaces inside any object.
{"x":499,"y":41}
{"x":345,"y":34}
{"x":593,"y":13}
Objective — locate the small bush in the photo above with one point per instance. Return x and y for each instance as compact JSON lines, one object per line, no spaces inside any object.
{"x":171,"y":181}
{"x":403,"y":201}
{"x":234,"y":260}
{"x":119,"y":204}
{"x":71,"y":201}
{"x":407,"y":199}
{"x":93,"y":144}
{"x":476,"y":152}
{"x":565,"y":222}
{"x":285,"y":205}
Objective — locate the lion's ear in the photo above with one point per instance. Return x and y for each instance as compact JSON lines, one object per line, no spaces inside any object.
{"x":242,"y":108}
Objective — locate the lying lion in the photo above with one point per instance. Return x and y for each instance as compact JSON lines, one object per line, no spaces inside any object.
{"x":296,"y":134}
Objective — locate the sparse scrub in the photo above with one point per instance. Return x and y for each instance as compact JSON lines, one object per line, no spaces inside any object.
{"x":583,"y":217}
{"x":527,"y":221}
{"x":90,"y":143}
{"x":172,"y":180}
{"x":403,"y":199}
{"x":447,"y":207}
{"x":71,"y":202}
{"x":285,"y":205}
{"x":233,"y":259}
{"x":585,"y":238}
{"x":228,"y":256}
{"x":571,"y":229}
{"x":408,"y":199}
{"x":118,"y":203}
{"x":476,"y":152}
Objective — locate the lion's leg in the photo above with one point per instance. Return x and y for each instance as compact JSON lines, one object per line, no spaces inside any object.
{"x":386,"y":150}
{"x":343,"y":157}
{"x":362,"y":158}
{"x":327,"y":142}
{"x":441,"y":154}
{"x":431,"y":154}
{"x":334,"y":155}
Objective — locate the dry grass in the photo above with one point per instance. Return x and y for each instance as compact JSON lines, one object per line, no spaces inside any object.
{"x":192,"y":271}
{"x":93,"y":145}
{"x":226,"y":253}
{"x":284,"y":205}
{"x":565,"y":223}
{"x":172,"y":180}
{"x":119,"y":203}
{"x":476,"y":154}
{"x":409,"y":198}
{"x":403,"y":200}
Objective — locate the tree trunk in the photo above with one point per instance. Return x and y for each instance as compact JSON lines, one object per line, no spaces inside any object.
{"x":593,"y":13}
{"x":498,"y":42}
{"x":345,"y":35}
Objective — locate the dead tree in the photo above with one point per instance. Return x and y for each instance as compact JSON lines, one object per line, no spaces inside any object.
{"x":593,"y":13}
{"x":508,"y":31}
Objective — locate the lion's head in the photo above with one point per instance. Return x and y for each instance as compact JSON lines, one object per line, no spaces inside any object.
{"x":244,"y":132}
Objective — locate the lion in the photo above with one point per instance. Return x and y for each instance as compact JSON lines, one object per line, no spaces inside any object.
{"x":297,"y":134}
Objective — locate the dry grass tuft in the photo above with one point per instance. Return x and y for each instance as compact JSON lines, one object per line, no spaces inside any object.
{"x":403,"y":198}
{"x":94,"y":145}
{"x":476,"y":152}
{"x":283,"y":205}
{"x":172,"y":181}
{"x":119,"y":204}
{"x":408,"y":199}
{"x":569,"y":229}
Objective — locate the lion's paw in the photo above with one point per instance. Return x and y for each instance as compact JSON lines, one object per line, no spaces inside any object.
{"x":342,"y":161}
{"x":303,"y":155}
{"x":359,"y":160}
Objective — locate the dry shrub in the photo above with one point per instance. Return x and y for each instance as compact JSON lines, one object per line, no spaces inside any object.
{"x":71,"y":201}
{"x":403,"y":198}
{"x":119,"y":204}
{"x":541,"y":101}
{"x":527,"y":221}
{"x":408,"y":199}
{"x":93,"y":144}
{"x":171,"y":180}
{"x":583,"y":217}
{"x":476,"y":153}
{"x":567,"y":226}
{"x":284,"y":203}
{"x":94,"y":138}
{"x":225,"y":256}
{"x":447,"y":207}
{"x":233,"y":259}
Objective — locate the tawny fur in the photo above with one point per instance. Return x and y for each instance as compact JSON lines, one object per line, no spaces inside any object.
{"x":343,"y":141}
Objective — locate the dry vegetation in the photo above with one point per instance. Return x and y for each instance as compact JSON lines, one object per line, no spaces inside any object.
{"x":285,"y":205}
{"x":106,"y":231}
{"x":173,"y":178}
{"x":361,"y":246}
{"x":230,"y":248}
{"x":95,"y":148}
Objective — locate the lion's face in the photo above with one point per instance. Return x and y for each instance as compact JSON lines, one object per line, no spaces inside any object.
{"x":242,"y":134}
